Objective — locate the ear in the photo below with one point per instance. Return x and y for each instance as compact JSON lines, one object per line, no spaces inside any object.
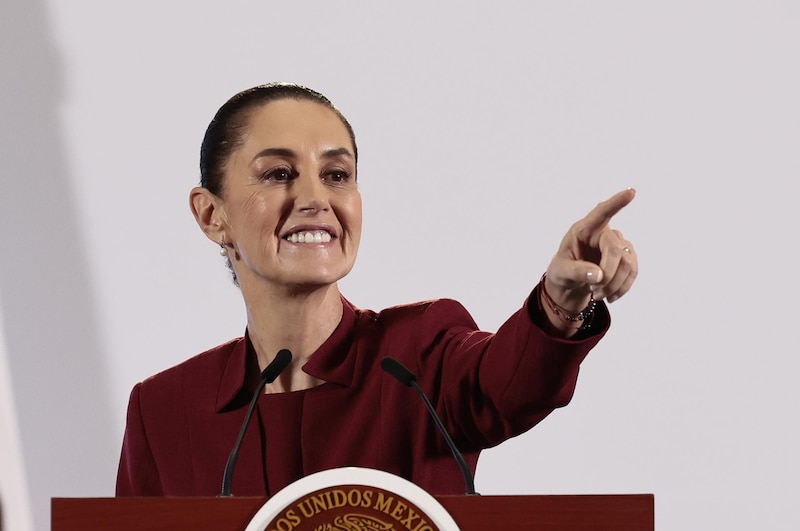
{"x":208,"y":213}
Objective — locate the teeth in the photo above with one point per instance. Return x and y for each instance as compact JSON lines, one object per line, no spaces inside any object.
{"x":317,"y":236}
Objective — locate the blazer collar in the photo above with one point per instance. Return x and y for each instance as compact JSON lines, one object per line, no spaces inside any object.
{"x":329,"y":363}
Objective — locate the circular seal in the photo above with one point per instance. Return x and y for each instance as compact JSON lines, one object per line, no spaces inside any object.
{"x":352,"y":499}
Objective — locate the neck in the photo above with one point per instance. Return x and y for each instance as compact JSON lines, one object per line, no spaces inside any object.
{"x":300,"y":321}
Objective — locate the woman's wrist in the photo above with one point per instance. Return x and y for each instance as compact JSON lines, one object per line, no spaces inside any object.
{"x":570,"y":316}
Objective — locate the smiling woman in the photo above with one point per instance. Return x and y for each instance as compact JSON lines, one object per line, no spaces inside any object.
{"x":267,"y":146}
{"x":279,"y":195}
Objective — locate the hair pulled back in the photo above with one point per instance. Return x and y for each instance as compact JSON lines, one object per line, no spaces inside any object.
{"x":226,"y":131}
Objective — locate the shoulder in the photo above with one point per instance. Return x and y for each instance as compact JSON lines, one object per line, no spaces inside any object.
{"x":418,"y":327}
{"x":431,"y":312}
{"x":200,"y":371}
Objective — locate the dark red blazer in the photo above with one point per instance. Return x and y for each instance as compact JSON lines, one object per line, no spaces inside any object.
{"x":182,"y":423}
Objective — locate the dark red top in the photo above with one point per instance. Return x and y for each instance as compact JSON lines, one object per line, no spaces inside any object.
{"x":182,"y":423}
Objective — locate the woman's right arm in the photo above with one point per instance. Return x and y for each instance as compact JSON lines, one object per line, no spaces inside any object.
{"x":138,"y":473}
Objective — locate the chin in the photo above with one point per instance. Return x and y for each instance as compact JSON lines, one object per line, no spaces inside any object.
{"x":318,"y":279}
{"x":299,"y":279}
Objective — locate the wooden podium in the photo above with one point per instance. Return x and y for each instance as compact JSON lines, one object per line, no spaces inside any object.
{"x":624,"y":512}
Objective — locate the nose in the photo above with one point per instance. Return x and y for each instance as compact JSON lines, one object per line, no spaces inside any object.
{"x":310,"y":194}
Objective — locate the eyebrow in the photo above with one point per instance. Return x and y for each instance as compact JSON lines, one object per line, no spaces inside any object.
{"x":286,"y":152}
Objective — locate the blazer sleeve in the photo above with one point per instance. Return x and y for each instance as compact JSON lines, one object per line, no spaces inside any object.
{"x":490,"y":387}
{"x":137,"y":474}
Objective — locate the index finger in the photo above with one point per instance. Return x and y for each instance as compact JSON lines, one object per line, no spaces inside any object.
{"x":605,"y":210}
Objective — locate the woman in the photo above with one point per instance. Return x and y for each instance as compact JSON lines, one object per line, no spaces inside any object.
{"x":279,"y":195}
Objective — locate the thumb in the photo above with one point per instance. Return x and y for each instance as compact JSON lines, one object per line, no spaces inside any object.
{"x":570,"y":274}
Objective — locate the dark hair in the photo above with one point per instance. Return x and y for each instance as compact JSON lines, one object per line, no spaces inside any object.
{"x":226,"y":131}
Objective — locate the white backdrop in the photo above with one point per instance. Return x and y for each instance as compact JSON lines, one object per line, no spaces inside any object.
{"x":485,"y":130}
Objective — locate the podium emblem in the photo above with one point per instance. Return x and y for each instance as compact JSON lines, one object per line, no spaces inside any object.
{"x":352,"y":499}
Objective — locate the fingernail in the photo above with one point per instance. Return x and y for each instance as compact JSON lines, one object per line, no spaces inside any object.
{"x":594,"y":277}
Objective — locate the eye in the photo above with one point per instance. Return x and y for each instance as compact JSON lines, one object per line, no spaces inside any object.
{"x":280,"y":175}
{"x":338,"y":176}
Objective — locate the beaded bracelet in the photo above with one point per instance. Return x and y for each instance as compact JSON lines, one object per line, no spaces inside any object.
{"x":584,"y":316}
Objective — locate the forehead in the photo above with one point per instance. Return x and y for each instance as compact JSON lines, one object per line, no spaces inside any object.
{"x":295,"y":123}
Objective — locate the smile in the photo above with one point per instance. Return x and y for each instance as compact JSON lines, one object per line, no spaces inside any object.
{"x":311,"y":236}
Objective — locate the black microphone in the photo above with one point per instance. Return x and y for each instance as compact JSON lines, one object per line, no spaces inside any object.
{"x":407,"y":378}
{"x":281,"y":361}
